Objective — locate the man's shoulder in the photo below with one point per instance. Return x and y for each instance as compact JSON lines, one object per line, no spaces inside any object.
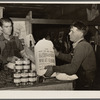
{"x":14,"y":38}
{"x":84,"y":45}
{"x":84,"y":42}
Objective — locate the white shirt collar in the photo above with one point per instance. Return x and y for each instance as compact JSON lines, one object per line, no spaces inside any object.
{"x":75,"y":44}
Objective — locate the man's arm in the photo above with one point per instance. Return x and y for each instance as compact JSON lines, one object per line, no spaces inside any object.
{"x":79,"y":56}
{"x":30,"y":54}
{"x":62,"y":56}
{"x":65,"y":57}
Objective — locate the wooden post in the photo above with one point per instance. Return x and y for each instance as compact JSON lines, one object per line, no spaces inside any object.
{"x":1,"y":12}
{"x":28,"y":23}
{"x":1,"y":15}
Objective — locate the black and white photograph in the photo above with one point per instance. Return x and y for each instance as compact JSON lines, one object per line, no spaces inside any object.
{"x":49,"y":47}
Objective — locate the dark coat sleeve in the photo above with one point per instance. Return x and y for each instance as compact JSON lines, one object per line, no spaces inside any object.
{"x":79,"y":56}
{"x":65,"y":57}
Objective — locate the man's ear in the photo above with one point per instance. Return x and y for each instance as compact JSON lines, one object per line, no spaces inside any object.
{"x":82,"y":34}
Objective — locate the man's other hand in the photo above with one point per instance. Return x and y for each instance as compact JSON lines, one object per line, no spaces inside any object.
{"x":49,"y":71}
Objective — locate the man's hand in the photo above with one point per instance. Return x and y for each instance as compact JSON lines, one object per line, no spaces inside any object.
{"x":49,"y":71}
{"x":12,"y":59}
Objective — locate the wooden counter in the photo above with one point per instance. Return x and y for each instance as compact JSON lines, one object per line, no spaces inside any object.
{"x":48,"y":84}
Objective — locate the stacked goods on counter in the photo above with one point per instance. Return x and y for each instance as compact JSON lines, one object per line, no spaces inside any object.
{"x":23,"y":74}
{"x":17,"y":72}
{"x":27,"y":73}
{"x":32,"y":77}
{"x":44,"y":56}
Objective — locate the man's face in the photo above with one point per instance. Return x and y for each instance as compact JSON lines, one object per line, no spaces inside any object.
{"x":7,"y":28}
{"x":75,"y":34}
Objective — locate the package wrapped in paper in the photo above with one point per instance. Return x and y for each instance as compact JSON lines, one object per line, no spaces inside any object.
{"x":66,"y":77}
{"x":44,"y":56}
{"x":11,"y":65}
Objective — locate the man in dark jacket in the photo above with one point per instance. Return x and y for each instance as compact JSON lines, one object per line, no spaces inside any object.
{"x":10,"y":49}
{"x":82,"y":61}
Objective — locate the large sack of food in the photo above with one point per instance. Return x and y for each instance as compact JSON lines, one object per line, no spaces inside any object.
{"x":44,"y":55}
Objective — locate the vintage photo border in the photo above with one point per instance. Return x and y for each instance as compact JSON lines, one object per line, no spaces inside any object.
{"x":8,"y":94}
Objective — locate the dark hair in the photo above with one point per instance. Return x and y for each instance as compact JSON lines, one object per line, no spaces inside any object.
{"x":2,"y":20}
{"x":81,"y":26}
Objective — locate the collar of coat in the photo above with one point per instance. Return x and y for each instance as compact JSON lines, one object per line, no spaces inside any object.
{"x":75,"y":44}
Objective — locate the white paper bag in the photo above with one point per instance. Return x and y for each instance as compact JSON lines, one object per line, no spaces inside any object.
{"x":44,"y":56}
